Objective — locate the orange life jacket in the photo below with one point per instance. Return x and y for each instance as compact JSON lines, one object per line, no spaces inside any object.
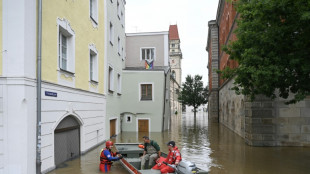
{"x":103,"y":158}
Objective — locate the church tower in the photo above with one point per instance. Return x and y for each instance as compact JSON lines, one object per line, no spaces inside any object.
{"x":175,"y":54}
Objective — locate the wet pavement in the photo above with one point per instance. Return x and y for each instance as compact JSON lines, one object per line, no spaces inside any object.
{"x":211,"y":147}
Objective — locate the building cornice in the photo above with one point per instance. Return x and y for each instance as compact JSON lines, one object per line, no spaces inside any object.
{"x":147,"y":33}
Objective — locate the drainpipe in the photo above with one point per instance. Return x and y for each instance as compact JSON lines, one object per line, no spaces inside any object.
{"x":39,"y":64}
{"x":165,"y":98}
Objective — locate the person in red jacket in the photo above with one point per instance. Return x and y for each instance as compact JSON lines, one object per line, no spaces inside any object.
{"x":173,"y":158}
{"x":107,"y":156}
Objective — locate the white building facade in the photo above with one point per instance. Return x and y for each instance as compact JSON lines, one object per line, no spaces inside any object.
{"x":73,"y":110}
{"x":115,"y":41}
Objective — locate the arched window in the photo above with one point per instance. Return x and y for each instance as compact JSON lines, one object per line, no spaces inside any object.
{"x":173,"y":74}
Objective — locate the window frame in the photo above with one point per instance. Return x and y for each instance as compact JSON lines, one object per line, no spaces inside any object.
{"x":145,"y":48}
{"x":93,"y":64}
{"x":140,"y":92}
{"x":65,"y":30}
{"x":93,"y":11}
{"x":111,"y":33}
{"x":111,"y":79}
{"x":119,"y":44}
{"x":119,"y":83}
{"x":118,"y":10}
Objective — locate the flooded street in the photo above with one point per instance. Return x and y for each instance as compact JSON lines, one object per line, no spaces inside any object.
{"x":212,"y":147}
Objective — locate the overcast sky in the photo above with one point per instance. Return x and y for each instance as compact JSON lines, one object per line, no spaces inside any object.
{"x":192,"y":18}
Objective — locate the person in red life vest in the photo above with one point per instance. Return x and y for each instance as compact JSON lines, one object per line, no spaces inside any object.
{"x":107,"y":156}
{"x":173,"y":158}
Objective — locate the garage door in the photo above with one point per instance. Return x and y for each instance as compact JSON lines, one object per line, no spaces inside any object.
{"x":67,"y":140}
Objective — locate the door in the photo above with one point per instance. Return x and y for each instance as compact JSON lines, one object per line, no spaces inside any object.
{"x":112,"y":127}
{"x":143,"y":125}
{"x":67,"y":140}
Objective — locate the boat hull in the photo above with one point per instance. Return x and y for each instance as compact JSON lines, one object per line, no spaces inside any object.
{"x":132,"y":161}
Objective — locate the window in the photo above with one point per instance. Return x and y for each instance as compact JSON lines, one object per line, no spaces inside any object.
{"x":173,"y":51}
{"x":93,"y":66}
{"x":118,"y":11}
{"x":119,"y":84}
{"x":172,"y":45}
{"x":147,"y":53}
{"x":119,"y":46}
{"x":123,"y":54}
{"x":93,"y":5}
{"x":146,"y":92}
{"x":122,"y":18}
{"x":173,"y":74}
{"x":128,"y":119}
{"x":111,"y":79}
{"x":111,"y":33}
{"x":63,"y":51}
{"x":66,"y":46}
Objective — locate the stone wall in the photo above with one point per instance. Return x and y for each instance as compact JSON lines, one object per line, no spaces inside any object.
{"x":273,"y":123}
{"x":231,"y":109}
{"x":213,"y":106}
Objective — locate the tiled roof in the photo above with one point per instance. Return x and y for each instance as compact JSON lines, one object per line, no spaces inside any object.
{"x":173,"y":32}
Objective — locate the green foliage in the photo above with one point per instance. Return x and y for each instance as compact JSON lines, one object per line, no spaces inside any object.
{"x":273,"y":48}
{"x":193,"y":93}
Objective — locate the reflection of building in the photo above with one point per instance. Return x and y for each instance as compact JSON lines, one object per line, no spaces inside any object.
{"x":145,"y":100}
{"x":262,"y":122}
{"x":115,"y":56}
{"x":73,"y":90}
{"x":175,"y":55}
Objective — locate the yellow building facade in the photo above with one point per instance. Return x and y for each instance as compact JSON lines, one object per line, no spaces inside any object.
{"x":75,"y":15}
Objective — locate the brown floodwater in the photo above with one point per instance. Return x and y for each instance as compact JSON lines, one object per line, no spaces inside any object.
{"x":210,"y":146}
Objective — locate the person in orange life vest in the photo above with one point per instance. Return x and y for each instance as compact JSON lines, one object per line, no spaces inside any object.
{"x":107,"y":156}
{"x":174,"y":157}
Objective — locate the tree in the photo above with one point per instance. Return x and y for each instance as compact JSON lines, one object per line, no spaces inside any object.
{"x":193,"y":93}
{"x":272,"y":49}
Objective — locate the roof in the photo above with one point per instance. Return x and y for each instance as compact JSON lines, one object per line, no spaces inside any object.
{"x":173,"y":32}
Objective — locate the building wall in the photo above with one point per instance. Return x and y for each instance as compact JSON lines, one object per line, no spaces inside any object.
{"x":131,"y":104}
{"x":1,"y":37}
{"x":226,"y":23}
{"x":76,"y":15}
{"x":137,"y":41}
{"x":87,"y":107}
{"x":116,"y":60}
{"x":262,"y":122}
{"x":212,"y":48}
{"x":17,"y":86}
{"x":232,"y":109}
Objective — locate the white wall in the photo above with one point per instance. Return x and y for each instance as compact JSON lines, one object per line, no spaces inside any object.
{"x":18,"y":88}
{"x":113,"y":59}
{"x":87,"y":107}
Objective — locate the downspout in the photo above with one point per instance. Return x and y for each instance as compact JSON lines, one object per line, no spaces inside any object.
{"x":39,"y":64}
{"x":164,"y":110}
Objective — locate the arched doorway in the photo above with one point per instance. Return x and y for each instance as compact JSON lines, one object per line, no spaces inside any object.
{"x":67,"y":140}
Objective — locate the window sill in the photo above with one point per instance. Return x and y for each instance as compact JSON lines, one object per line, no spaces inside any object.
{"x":93,"y":20}
{"x":119,"y":94}
{"x":119,"y":18}
{"x":111,"y":43}
{"x":146,"y":100}
{"x":67,"y":72}
{"x":119,"y":54}
{"x":94,"y":82}
{"x":110,"y":91}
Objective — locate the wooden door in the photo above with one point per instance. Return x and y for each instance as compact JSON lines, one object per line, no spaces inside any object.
{"x":112,"y":127}
{"x":143,"y":125}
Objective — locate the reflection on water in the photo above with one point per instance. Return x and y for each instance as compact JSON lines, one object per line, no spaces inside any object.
{"x":211,"y":146}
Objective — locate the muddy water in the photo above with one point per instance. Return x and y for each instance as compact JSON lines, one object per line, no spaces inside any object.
{"x":211,"y":146}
